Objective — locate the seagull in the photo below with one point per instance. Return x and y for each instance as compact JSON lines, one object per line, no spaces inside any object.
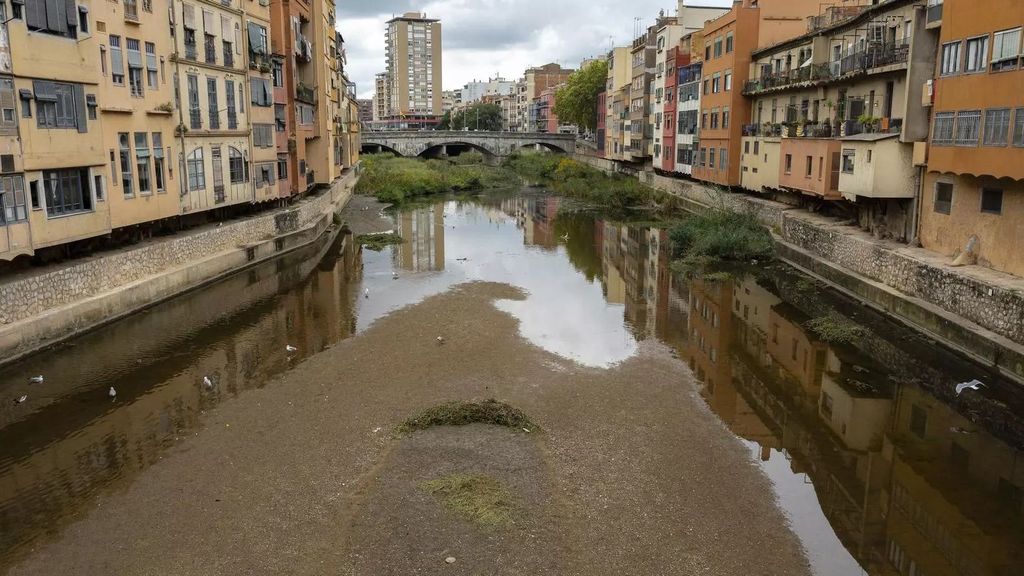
{"x":959,"y":430}
{"x":440,"y":339}
{"x":290,"y":349}
{"x":207,"y":382}
{"x":394,"y":275}
{"x":21,"y":399}
{"x":112,"y":392}
{"x":973,"y":385}
{"x":461,"y":259}
{"x":366,"y":293}
{"x":565,"y":237}
{"x":36,"y":379}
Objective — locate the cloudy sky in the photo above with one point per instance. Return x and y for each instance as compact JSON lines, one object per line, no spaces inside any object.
{"x":482,"y":38}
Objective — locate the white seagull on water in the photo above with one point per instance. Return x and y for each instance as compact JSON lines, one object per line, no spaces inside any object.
{"x":973,"y":385}
{"x":207,"y":382}
{"x":366,"y":293}
{"x":112,"y":392}
{"x":36,"y":379}
{"x":21,"y":399}
{"x":290,"y":349}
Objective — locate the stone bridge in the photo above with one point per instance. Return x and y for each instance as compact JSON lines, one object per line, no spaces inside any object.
{"x":492,"y":144}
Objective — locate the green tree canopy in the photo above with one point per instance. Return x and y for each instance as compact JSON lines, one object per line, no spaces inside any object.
{"x":486,"y":117}
{"x":576,"y":102}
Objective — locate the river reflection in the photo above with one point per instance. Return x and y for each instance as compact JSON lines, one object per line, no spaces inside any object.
{"x":880,"y":468}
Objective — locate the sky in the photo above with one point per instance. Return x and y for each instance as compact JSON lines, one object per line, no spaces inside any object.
{"x":484,"y":38}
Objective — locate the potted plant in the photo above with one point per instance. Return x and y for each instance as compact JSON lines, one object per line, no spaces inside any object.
{"x":868,"y":121}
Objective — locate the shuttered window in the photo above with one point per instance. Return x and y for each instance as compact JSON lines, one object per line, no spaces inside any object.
{"x":211,"y":99}
{"x":263,"y":135}
{"x":116,"y":61}
{"x":151,"y":70}
{"x":60,"y":105}
{"x":57,"y":17}
{"x":8,"y":117}
{"x":261,"y":95}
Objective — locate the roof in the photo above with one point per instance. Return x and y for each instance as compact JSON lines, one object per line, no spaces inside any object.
{"x":870,"y":137}
{"x":867,"y":14}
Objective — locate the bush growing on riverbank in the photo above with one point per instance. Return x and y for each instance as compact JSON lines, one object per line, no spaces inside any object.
{"x":721,"y":236}
{"x":570,"y":177}
{"x":394,"y":179}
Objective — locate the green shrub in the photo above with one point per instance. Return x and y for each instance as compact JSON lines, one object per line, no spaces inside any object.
{"x":393,"y":179}
{"x":721,"y":235}
{"x":836,"y":329}
{"x":570,"y":177}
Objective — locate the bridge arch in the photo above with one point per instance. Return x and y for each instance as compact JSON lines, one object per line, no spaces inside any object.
{"x":375,"y":148}
{"x":550,"y":147}
{"x":441,"y":148}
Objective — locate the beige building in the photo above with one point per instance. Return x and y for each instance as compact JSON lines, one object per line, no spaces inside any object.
{"x":53,"y":155}
{"x":323,"y":156}
{"x":214,"y":97}
{"x":414,"y":70}
{"x":263,"y":148}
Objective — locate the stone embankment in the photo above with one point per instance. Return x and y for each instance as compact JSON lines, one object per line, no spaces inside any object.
{"x":43,"y":307}
{"x":976,"y":310}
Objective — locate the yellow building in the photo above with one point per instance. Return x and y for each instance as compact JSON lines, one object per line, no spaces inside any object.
{"x":262,"y":138}
{"x":136,"y":96}
{"x":322,"y":151}
{"x":212,"y":99}
{"x":52,"y":152}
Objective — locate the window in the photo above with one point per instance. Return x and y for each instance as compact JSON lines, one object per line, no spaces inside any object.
{"x":151,"y":75}
{"x":12,"y":200}
{"x":757,"y":147}
{"x":725,"y":117}
{"x":716,"y":83}
{"x":718,"y":47}
{"x":142,"y":162}
{"x":997,"y":127}
{"x":848,"y":159}
{"x":263,"y":135}
{"x":190,"y":44}
{"x":977,"y":55}
{"x":1005,"y":50}
{"x":195,"y":117}
{"x":158,"y":161}
{"x":707,"y":54}
{"x":942,"y":133}
{"x":789,"y":163}
{"x":229,"y":94}
{"x":218,"y":174}
{"x":711,"y":158}
{"x":1018,"y":127}
{"x":56,"y":104}
{"x":67,"y":191}
{"x":918,"y":421}
{"x":57,"y":17}
{"x":723,"y":159}
{"x":992,"y":200}
{"x":97,"y":181}
{"x":261,"y":95}
{"x":968,"y":127}
{"x":278,"y":70}
{"x":8,"y":116}
{"x":282,"y":167}
{"x":728,"y":81}
{"x":211,"y":100}
{"x":943,"y":197}
{"x":196,"y":171}
{"x":125,"y":155}
{"x":950,"y":58}
{"x":116,"y":61}
{"x":707,"y":86}
{"x":728,"y":43}
{"x":258,"y":48}
{"x":280,"y":118}
{"x":236,"y":166}
{"x":265,"y":174}
{"x":210,"y":48}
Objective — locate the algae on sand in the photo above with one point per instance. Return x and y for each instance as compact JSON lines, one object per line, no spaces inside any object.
{"x":378,"y":242}
{"x":477,"y":498}
{"x":461,"y":413}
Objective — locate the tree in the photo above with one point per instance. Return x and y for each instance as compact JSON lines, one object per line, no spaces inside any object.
{"x":576,"y":101}
{"x":484,"y":117}
{"x":446,"y":121}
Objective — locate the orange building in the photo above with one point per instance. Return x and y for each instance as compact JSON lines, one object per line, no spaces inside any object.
{"x":972,"y":201}
{"x":728,"y":43}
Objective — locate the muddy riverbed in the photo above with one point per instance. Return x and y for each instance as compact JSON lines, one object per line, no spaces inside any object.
{"x":683,"y":428}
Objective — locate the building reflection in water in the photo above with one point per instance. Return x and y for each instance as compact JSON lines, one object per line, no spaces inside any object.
{"x":909,"y":485}
{"x":75,"y":442}
{"x":423,"y":232}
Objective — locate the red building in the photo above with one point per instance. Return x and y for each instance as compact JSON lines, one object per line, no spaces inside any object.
{"x":668,"y":138}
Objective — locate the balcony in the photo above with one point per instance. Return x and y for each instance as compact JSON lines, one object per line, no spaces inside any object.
{"x":305,"y":94}
{"x":805,"y":75}
{"x":874,"y":56}
{"x":131,"y":10}
{"x":933,"y":18}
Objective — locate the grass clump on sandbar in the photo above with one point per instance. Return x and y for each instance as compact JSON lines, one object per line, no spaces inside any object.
{"x":718,"y":236}
{"x":461,"y":413}
{"x":575,"y":179}
{"x":378,"y":242}
{"x":477,"y":498}
{"x":835,"y":329}
{"x":395,"y":180}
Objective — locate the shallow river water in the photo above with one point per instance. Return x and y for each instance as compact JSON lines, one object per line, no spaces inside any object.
{"x":878,"y":465}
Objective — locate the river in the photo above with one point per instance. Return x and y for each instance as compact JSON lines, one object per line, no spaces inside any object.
{"x":878,"y":466}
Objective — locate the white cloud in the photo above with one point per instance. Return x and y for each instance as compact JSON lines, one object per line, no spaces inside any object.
{"x":481,"y":38}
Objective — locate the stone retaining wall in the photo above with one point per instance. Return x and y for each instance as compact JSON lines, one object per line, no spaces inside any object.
{"x":989,"y":305}
{"x":39,"y":293}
